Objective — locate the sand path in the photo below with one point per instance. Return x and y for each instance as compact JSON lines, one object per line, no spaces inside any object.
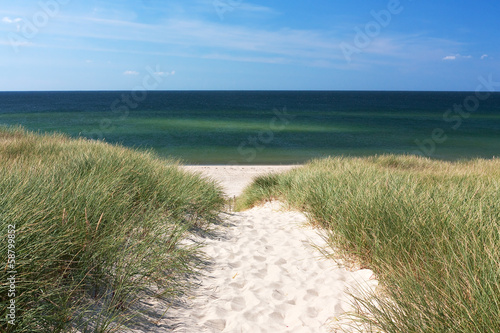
{"x":266,"y":275}
{"x":234,"y":178}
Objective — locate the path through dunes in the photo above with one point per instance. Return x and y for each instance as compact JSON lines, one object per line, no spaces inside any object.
{"x":263,"y":273}
{"x":267,"y":277}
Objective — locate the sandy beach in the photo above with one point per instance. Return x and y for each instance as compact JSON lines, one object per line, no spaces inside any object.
{"x":234,"y":178}
{"x":266,"y":274}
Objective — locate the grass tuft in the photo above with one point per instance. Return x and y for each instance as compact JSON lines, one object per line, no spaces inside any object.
{"x":97,"y":228}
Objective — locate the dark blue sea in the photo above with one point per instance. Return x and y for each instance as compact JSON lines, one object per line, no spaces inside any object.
{"x":268,"y":127}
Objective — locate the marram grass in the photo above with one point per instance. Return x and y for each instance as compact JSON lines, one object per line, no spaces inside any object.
{"x":97,"y":227}
{"x":430,"y":230}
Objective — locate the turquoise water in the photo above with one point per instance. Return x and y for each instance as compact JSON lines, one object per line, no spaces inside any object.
{"x":267,"y":127}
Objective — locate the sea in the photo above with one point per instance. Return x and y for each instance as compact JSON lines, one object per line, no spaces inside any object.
{"x":268,"y":127}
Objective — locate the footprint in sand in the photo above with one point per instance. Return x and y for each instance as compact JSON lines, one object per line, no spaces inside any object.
{"x":260,"y":258}
{"x":238,"y":304}
{"x":312,"y":312}
{"x":311,"y":293}
{"x":237,"y":285}
{"x":218,"y":325}
{"x":278,"y":295}
{"x":276,"y":317}
{"x":234,"y":264}
{"x":280,"y":262}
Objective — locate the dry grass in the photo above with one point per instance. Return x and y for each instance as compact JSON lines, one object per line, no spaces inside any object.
{"x":97,"y":226}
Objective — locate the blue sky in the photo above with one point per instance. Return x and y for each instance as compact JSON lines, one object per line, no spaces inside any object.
{"x":254,"y":45}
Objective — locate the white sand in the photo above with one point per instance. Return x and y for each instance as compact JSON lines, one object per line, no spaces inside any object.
{"x":234,"y":178}
{"x":265,"y":275}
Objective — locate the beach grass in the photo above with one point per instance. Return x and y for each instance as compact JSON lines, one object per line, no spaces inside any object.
{"x":97,"y":227}
{"x":430,"y":231}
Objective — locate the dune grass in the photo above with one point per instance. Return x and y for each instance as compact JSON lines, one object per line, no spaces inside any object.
{"x":430,"y":230}
{"x":97,"y":228}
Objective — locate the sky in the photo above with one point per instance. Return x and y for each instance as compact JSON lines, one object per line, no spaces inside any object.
{"x":248,"y":44}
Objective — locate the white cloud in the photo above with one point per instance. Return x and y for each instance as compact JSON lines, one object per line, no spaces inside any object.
{"x":218,"y":40}
{"x":228,"y":57}
{"x":266,"y":45}
{"x":164,"y":73}
{"x":14,"y":43}
{"x":484,"y":56}
{"x":255,"y":8}
{"x":385,"y":49}
{"x":456,"y":57}
{"x":130,"y":73}
{"x":8,"y":20}
{"x":233,"y":5}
